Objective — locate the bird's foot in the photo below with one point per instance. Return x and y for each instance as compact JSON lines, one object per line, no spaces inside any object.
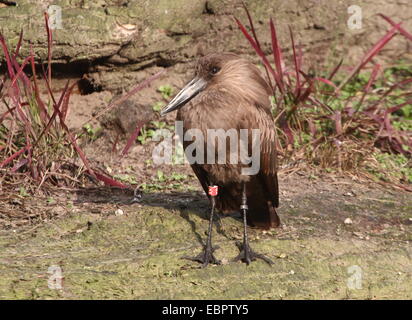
{"x":137,"y":196}
{"x":247,"y":255}
{"x":205,"y":257}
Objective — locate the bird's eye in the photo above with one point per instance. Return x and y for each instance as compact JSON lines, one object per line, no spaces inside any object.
{"x":214,"y":70}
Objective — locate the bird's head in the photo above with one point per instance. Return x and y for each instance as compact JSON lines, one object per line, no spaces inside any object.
{"x":225,"y":71}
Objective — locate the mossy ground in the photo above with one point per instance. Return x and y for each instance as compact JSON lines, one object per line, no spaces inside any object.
{"x":137,"y":255}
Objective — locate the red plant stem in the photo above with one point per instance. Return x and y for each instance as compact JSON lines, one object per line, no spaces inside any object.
{"x":16,"y":52}
{"x":132,"y":137}
{"x":19,"y":71}
{"x":335,"y":70}
{"x":297,"y":66}
{"x":49,"y":124}
{"x":14,"y":155}
{"x":109,"y":181}
{"x":370,"y":54}
{"x":49,"y":46}
{"x":139,"y":87}
{"x":252,"y":27}
{"x":401,"y":30}
{"x":43,"y":111}
{"x":396,"y":85}
{"x":277,"y":53}
{"x":261,"y":54}
{"x":372,"y":78}
{"x":64,"y":126}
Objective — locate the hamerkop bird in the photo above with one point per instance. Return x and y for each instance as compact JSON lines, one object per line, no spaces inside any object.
{"x":228,"y":92}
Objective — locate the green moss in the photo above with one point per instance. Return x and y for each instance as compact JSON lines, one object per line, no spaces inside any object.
{"x":392,"y":166}
{"x":138,"y":256}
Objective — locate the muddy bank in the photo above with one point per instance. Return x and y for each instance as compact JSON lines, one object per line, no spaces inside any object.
{"x":137,"y":254}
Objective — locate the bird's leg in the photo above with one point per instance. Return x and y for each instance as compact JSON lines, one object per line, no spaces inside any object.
{"x":206,"y":256}
{"x":246,"y":254}
{"x":137,"y":195}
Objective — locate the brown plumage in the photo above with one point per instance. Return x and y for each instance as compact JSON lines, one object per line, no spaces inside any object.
{"x":229,"y":92}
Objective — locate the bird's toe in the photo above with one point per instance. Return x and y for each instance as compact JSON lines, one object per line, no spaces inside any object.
{"x":247,"y":255}
{"x":205,"y":257}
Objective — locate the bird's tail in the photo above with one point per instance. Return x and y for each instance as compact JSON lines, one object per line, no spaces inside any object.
{"x":261,"y":213}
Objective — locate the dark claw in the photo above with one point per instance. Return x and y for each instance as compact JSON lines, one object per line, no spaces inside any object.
{"x":205,"y":257}
{"x":247,"y":255}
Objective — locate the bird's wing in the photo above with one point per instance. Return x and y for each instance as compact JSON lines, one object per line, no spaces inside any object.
{"x":262,"y":119}
{"x":201,"y":175}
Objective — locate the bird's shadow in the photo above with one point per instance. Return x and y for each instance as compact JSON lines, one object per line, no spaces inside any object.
{"x":187,"y":203}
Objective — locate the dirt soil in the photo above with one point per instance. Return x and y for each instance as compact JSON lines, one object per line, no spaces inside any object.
{"x":104,"y":254}
{"x":341,"y":238}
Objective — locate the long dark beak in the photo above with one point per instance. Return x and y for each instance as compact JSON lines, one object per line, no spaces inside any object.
{"x":184,"y":96}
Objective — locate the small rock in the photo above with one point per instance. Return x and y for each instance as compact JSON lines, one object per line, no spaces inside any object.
{"x":348,"y":221}
{"x":118,"y":212}
{"x":291,"y":272}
